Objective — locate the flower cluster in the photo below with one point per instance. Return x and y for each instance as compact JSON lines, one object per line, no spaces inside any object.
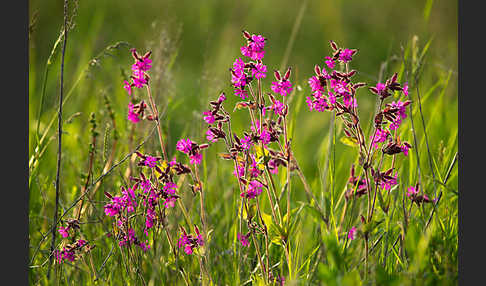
{"x":190,"y":242}
{"x":138,"y":79}
{"x":70,"y":252}
{"x":192,"y":149}
{"x":414,"y":195}
{"x":72,"y":224}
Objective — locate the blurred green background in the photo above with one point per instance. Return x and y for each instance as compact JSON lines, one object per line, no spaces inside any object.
{"x":194,"y":45}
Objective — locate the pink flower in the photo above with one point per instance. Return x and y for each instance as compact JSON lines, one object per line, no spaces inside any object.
{"x":170,"y":202}
{"x":380,"y":87}
{"x":315,"y":84}
{"x":210,"y":136}
{"x":387,"y":183}
{"x":278,"y":107}
{"x":170,"y":188}
{"x":241,"y":93}
{"x":400,"y":114}
{"x":412,"y":191}
{"x":380,"y":136}
{"x":132,"y":115}
{"x":128,"y":87}
{"x":329,"y":62}
{"x":239,"y":66}
{"x":63,"y":231}
{"x":196,"y":159}
{"x":405,"y":148}
{"x":259,"y":71}
{"x":185,"y":146}
{"x":346,"y":55}
{"x":282,"y":87}
{"x":352,"y":233}
{"x":246,"y":142}
{"x":209,"y":118}
{"x":253,"y":190}
{"x":150,"y":161}
{"x":243,"y":240}
{"x":405,"y":89}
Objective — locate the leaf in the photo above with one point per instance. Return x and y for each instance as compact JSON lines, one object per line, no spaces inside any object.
{"x":350,"y":141}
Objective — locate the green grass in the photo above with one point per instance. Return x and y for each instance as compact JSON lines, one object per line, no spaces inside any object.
{"x":192,"y":51}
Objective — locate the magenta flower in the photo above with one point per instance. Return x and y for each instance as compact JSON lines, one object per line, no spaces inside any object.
{"x":243,"y":239}
{"x":170,"y":202}
{"x":246,"y":142}
{"x":352,"y":233}
{"x":184,"y":145}
{"x":63,"y":231}
{"x":259,"y":71}
{"x":282,"y":87}
{"x":210,"y":136}
{"x":346,"y":55}
{"x":241,"y":93}
{"x":139,"y":82}
{"x":401,"y":106}
{"x":412,"y":191}
{"x":387,"y":183}
{"x":209,"y":118}
{"x":315,"y":84}
{"x":132,"y":115}
{"x":278,"y":107}
{"x":196,"y":159}
{"x":405,"y":89}
{"x":170,"y":188}
{"x":405,"y":148}
{"x":150,"y":161}
{"x":329,"y":62}
{"x":380,"y":136}
{"x":380,"y":87}
{"x":253,"y":190}
{"x":128,"y":87}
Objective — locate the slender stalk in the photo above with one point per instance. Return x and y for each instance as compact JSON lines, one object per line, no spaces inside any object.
{"x":59,"y":144}
{"x":157,"y":120}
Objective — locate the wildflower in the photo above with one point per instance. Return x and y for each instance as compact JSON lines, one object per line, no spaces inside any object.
{"x":387,"y":182}
{"x":211,"y":136}
{"x":282,"y":87}
{"x":246,"y":142}
{"x":170,"y":202}
{"x":132,"y":116}
{"x":380,"y":87}
{"x":380,"y":136}
{"x":241,"y":93}
{"x":139,"y":82}
{"x":196,"y":159}
{"x":315,"y":84}
{"x":400,"y":115}
{"x":346,"y":55}
{"x":254,"y":47}
{"x":405,"y":89}
{"x":209,"y":118}
{"x":128,"y":87}
{"x":329,"y":62}
{"x":170,"y":188}
{"x":411,"y":191}
{"x":150,"y":161}
{"x":253,"y":190}
{"x":265,"y":136}
{"x":352,"y":233}
{"x":243,"y":239}
{"x":185,"y":146}
{"x":277,"y":107}
{"x":63,"y":231}
{"x":259,"y":70}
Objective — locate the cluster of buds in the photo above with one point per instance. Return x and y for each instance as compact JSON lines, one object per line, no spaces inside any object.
{"x":358,"y":186}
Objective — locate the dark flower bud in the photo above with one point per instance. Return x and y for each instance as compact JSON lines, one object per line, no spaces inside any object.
{"x":287,"y":74}
{"x":333,"y":45}
{"x":277,"y":75}
{"x":317,"y":69}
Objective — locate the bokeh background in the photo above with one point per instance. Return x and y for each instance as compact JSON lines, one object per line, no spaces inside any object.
{"x":194,"y":45}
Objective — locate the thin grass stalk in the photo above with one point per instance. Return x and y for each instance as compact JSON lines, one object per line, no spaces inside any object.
{"x":59,"y":145}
